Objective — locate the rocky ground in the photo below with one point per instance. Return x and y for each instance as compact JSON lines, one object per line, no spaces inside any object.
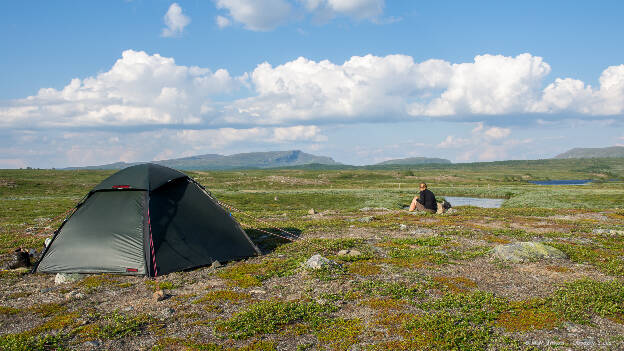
{"x":385,"y":280}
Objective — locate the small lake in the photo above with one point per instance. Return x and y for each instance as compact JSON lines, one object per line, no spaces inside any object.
{"x":561,"y":182}
{"x":474,"y":201}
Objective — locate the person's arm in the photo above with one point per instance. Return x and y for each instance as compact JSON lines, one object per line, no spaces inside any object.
{"x":421,"y":198}
{"x":429,"y":199}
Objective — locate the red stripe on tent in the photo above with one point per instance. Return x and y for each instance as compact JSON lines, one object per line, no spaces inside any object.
{"x":121,"y":186}
{"x":131,"y":270}
{"x":149,"y":225}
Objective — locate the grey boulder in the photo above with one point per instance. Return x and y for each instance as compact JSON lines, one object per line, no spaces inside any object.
{"x":526,"y":251}
{"x":318,"y":262}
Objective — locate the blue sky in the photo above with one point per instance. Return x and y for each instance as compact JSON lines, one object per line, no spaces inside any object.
{"x":361,"y":81}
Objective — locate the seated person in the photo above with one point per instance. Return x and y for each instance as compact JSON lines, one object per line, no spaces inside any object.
{"x":425,"y":201}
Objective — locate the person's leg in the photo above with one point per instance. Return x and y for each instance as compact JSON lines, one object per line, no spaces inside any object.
{"x":416,"y":206}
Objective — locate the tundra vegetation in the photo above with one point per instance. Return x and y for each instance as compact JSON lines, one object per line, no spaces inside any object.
{"x":414,"y":281}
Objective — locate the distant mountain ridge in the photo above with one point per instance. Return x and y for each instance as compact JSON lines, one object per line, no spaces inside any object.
{"x":270,"y":159}
{"x":414,"y":161}
{"x":600,"y":152}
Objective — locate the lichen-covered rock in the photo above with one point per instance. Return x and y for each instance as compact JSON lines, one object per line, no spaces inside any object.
{"x":318,"y":262}
{"x":612,"y":232}
{"x":526,"y":251}
{"x":67,"y":278}
{"x":366,"y":219}
{"x":350,"y":253}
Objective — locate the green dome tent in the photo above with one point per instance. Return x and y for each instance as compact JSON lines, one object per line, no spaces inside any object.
{"x":145,"y":220}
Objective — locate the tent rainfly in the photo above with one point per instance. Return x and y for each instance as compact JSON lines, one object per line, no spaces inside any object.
{"x":145,"y":220}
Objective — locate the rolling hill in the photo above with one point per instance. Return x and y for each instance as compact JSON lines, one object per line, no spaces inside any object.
{"x":270,"y":159}
{"x":414,"y":161}
{"x":612,"y":151}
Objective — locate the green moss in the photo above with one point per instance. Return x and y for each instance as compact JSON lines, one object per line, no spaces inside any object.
{"x":161,"y":285}
{"x":117,"y":325}
{"x":245,"y":274}
{"x":9,"y":310}
{"x":383,"y":304}
{"x":396,"y":290}
{"x":446,"y":331}
{"x":259,"y":345}
{"x":93,"y":282}
{"x":340,"y":334}
{"x":528,"y":316}
{"x":48,"y":309}
{"x":454,"y":284}
{"x":305,"y":248}
{"x":269,"y":316}
{"x":223,"y":295}
{"x":607,"y":259}
{"x":364,"y":268}
{"x":579,"y":300}
{"x":25,"y":342}
{"x":169,"y":343}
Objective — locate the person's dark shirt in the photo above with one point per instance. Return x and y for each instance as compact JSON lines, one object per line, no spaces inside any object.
{"x":428,"y":200}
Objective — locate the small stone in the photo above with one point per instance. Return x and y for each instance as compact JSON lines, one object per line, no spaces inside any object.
{"x":451,"y":211}
{"x":74,"y":295}
{"x":167,"y":312}
{"x":293,"y":297}
{"x":214,"y":283}
{"x":402,"y":227}
{"x":92,"y":344}
{"x":47,"y":242}
{"x":257,"y":291}
{"x":159,"y":295}
{"x":572,"y":328}
{"x":216,"y":264}
{"x":318,"y":262}
{"x":275,"y":198}
{"x":366,"y":219}
{"x":526,"y":251}
{"x":311,"y":211}
{"x":67,"y":278}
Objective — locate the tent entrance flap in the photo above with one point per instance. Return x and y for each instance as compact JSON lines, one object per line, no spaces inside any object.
{"x":105,"y":234}
{"x":191,"y":230}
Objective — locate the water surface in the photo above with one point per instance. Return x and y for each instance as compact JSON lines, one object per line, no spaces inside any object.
{"x":561,"y":182}
{"x":474,"y":201}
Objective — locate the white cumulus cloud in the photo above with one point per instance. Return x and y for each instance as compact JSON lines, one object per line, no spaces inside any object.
{"x":571,"y":95}
{"x":361,"y":88}
{"x":257,"y":15}
{"x":175,"y":21}
{"x":223,"y":22}
{"x":483,"y":144}
{"x":497,"y":133}
{"x":358,"y":9}
{"x":142,"y":89}
{"x":139,"y":89}
{"x":492,"y":84}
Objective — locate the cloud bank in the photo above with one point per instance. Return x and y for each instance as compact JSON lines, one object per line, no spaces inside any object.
{"x":291,"y":103}
{"x":151,"y":90}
